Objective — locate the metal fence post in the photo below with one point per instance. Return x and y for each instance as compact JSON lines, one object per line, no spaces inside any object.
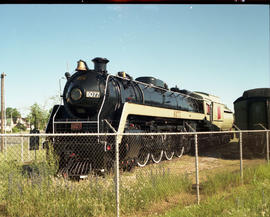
{"x":6,"y":149}
{"x":267,"y":146}
{"x":28,"y":150}
{"x":197,"y":168}
{"x":35,"y":152}
{"x":117,"y":176}
{"x":241,"y":155}
{"x":22,"y":149}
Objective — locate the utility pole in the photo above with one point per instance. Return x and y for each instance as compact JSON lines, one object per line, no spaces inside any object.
{"x":2,"y":110}
{"x":11,"y":121}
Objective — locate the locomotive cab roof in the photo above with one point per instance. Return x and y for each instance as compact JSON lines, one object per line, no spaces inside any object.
{"x":154,"y":81}
{"x":208,"y":96}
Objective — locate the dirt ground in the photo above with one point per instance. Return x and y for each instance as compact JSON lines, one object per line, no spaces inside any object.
{"x":215,"y":160}
{"x":222,"y":158}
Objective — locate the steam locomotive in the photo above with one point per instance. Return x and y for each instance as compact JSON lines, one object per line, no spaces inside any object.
{"x":97,"y":102}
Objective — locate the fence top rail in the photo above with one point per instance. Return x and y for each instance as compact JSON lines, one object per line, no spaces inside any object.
{"x":130,"y":134}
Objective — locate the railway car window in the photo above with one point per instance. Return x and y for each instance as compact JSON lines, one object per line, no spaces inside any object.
{"x":219,"y":112}
{"x":208,"y":108}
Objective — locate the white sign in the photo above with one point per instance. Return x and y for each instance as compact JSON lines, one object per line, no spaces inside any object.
{"x":92,"y":94}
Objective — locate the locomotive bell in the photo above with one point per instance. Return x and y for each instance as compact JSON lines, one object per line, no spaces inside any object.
{"x":81,"y":66}
{"x":122,"y":74}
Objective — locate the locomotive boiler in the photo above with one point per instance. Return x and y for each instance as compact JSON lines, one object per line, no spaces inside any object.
{"x":97,"y":102}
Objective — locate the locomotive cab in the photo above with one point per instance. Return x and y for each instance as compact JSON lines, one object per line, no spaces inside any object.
{"x":218,"y":114}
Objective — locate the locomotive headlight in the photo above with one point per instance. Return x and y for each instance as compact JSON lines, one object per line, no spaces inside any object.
{"x":76,"y":94}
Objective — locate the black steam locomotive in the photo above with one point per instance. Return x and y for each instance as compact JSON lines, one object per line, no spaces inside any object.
{"x":97,"y":102}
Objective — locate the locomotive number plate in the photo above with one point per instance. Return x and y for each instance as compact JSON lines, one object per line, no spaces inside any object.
{"x":76,"y":126}
{"x":92,"y":94}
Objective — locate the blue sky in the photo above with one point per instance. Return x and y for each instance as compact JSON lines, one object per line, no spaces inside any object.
{"x":219,"y":49}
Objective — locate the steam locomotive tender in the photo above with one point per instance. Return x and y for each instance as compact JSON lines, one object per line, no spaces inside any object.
{"x":97,"y":102}
{"x":252,"y":112}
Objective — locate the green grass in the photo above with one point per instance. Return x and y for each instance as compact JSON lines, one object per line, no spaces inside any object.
{"x":42,"y":194}
{"x":227,"y":196}
{"x":152,"y":188}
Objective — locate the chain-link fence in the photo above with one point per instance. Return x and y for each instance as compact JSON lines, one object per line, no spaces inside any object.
{"x":119,"y":174}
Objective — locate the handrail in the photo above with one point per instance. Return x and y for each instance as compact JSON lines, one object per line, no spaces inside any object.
{"x":160,"y":88}
{"x":54,"y":117}
{"x":193,"y":130}
{"x":168,"y":90}
{"x":236,"y":127}
{"x":102,"y":104}
{"x":107,"y":122}
{"x":65,"y":122}
{"x":261,"y":125}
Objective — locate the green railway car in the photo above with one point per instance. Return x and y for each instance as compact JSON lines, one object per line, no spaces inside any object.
{"x":252,"y":112}
{"x":252,"y":109}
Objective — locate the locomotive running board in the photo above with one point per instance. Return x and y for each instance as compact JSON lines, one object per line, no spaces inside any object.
{"x":144,"y":110}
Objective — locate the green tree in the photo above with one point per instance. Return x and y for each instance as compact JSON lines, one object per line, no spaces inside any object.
{"x":14,"y":113}
{"x":38,"y":116}
{"x":19,"y":127}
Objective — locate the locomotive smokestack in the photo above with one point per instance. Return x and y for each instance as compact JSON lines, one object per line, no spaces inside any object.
{"x":100,"y":64}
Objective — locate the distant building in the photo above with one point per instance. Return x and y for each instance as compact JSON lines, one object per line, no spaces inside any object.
{"x":10,"y":123}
